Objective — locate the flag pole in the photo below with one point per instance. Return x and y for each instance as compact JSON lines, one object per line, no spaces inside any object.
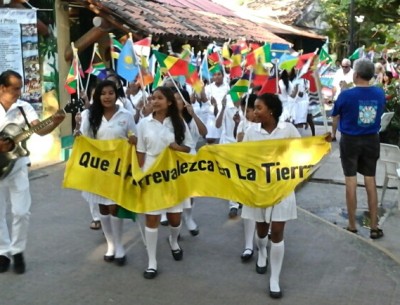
{"x":75,"y":59}
{"x":111,"y":51}
{"x":91,"y":66}
{"x":176,"y":86}
{"x":321,"y":101}
{"x":247,"y":98}
{"x":140,"y":70}
{"x":276,"y":75}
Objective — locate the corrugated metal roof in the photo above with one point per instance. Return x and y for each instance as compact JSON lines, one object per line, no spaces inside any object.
{"x":153,"y":17}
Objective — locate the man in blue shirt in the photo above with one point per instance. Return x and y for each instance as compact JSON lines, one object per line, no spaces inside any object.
{"x":358,"y":112}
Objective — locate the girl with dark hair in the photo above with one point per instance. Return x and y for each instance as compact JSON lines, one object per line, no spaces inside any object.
{"x":164,"y":128}
{"x":197,"y":129}
{"x":286,"y":89}
{"x":105,"y":120}
{"x":268,"y":109}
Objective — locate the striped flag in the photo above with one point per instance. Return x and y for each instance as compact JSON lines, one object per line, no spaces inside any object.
{"x":175,"y":66}
{"x":116,"y":46}
{"x":240,"y":88}
{"x":97,"y":66}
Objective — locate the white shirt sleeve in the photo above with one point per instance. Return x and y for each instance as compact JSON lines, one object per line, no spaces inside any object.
{"x":141,"y":144}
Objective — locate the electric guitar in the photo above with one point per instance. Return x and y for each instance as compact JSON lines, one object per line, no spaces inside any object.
{"x":15,"y":134}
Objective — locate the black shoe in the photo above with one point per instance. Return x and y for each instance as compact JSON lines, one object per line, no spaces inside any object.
{"x":275,"y":294}
{"x":120,"y":261}
{"x":109,"y":258}
{"x":164,"y":223}
{"x":233,"y":212}
{"x":262,"y":270}
{"x":246,"y":256}
{"x":177,"y":254}
{"x":150,"y":273}
{"x":4,"y":263}
{"x":19,"y":263}
{"x":194,"y":232}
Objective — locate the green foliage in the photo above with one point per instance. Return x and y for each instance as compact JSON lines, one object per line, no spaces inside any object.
{"x":380,"y":22}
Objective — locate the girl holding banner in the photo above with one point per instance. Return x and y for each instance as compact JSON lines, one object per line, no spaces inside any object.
{"x":268,"y":109}
{"x":106,"y":120}
{"x":164,"y":128}
{"x":197,"y":130}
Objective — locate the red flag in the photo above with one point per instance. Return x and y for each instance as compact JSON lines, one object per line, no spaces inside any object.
{"x":269,"y":86}
{"x":303,"y":60}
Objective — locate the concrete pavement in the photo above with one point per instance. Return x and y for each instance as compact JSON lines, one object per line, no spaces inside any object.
{"x":324,"y":264}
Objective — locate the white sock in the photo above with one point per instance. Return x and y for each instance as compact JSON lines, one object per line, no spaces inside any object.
{"x":249,"y":226}
{"x":151,"y":236}
{"x":107,"y":230}
{"x":173,"y":238}
{"x":277,"y":253}
{"x":188,"y":218}
{"x":163,"y":217}
{"x":94,"y":211}
{"x":262,"y":251}
{"x":117,"y":230}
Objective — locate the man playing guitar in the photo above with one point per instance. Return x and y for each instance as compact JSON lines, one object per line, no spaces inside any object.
{"x":14,"y":187}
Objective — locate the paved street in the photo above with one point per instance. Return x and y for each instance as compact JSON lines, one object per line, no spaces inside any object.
{"x":323,"y":264}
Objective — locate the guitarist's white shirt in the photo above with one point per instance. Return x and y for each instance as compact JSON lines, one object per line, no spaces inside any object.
{"x":14,"y":115}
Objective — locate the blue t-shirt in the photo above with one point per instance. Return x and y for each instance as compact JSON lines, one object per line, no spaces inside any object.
{"x":360,"y":110}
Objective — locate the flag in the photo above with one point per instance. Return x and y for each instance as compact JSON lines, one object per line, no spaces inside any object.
{"x":71,"y":83}
{"x":213,"y":58}
{"x":324,"y":55}
{"x":225,"y":51}
{"x":270,"y":85}
{"x":116,"y":47}
{"x":192,"y":78}
{"x":127,"y":65}
{"x":215,"y":68}
{"x":303,"y":59}
{"x":240,"y":88}
{"x":260,"y":74}
{"x":236,"y":69}
{"x":262,"y":54}
{"x":175,"y":66}
{"x":146,"y":76}
{"x":288,"y":62}
{"x":142,"y":47}
{"x":278,"y":49}
{"x":97,"y":66}
{"x":204,"y":73}
{"x":157,"y":79}
{"x":359,"y":53}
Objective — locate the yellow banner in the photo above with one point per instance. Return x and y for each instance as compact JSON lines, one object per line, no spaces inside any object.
{"x":257,"y":174}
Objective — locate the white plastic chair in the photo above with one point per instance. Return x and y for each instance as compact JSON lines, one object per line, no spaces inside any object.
{"x":385,"y":120}
{"x":390,"y":155}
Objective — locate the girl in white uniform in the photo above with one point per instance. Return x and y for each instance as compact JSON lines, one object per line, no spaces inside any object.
{"x":197,"y":130}
{"x":164,"y":128}
{"x":105,"y":120}
{"x":268,"y":109}
{"x":249,"y":225}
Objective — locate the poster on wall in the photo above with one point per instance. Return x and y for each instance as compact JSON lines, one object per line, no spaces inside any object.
{"x":19,"y":51}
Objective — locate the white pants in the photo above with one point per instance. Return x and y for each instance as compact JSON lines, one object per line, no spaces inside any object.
{"x":14,"y":189}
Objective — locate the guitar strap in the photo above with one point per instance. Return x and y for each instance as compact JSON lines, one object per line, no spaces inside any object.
{"x":24,"y":115}
{"x":23,"y":143}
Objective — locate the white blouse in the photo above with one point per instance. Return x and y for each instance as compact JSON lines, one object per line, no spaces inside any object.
{"x":118,"y":127}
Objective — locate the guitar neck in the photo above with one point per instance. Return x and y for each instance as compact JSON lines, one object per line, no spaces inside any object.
{"x":27,"y":133}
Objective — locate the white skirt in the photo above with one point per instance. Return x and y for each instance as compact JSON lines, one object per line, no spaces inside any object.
{"x":300,"y":111}
{"x":212,"y":131}
{"x":96,"y":199}
{"x":185,"y":204}
{"x":283,"y":211}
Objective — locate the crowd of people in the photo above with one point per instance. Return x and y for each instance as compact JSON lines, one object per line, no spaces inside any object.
{"x":175,"y":116}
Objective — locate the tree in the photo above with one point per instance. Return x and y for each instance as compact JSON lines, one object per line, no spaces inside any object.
{"x":380,"y":17}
